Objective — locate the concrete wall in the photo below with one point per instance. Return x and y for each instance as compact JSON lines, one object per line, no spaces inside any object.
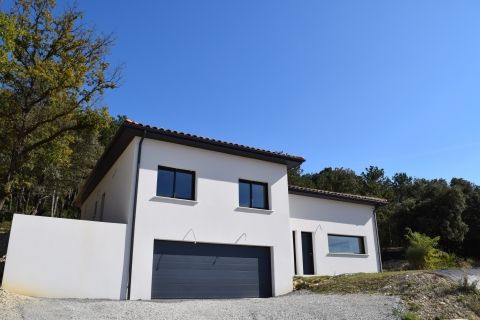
{"x":63,"y":258}
{"x":215,"y":216}
{"x":323,"y":217}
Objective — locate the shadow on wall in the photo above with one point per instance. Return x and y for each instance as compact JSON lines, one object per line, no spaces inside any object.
{"x":3,"y":251}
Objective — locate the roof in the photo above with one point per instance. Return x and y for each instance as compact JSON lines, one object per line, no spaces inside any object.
{"x":309,"y":192}
{"x":131,"y":129}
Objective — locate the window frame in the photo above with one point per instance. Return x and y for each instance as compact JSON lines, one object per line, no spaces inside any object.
{"x":175,"y":170}
{"x":265,"y":194}
{"x":363,"y":247}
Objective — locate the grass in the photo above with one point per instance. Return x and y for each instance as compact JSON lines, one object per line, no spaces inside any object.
{"x":409,"y":316}
{"x":424,"y":294}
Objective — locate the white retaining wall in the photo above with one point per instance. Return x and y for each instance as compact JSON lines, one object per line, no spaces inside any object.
{"x":64,"y":258}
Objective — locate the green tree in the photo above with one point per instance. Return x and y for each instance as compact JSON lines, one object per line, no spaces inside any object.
{"x":471,"y":216}
{"x":52,"y":73}
{"x":436,"y":209}
{"x":337,"y":180}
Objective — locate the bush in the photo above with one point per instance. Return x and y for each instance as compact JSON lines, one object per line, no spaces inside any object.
{"x":417,"y":257}
{"x":441,"y":260}
{"x":422,"y":252}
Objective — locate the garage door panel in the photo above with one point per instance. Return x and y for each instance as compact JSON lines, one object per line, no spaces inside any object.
{"x":194,"y":265}
{"x":208,"y":274}
{"x":188,"y":270}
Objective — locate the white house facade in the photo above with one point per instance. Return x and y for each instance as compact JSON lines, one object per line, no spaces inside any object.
{"x":213,"y":219}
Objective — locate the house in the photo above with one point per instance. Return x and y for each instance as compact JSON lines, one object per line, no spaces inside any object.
{"x":211,"y":219}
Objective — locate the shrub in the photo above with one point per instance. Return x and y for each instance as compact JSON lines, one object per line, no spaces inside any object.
{"x":441,"y":260}
{"x":417,"y":257}
{"x":422,"y":252}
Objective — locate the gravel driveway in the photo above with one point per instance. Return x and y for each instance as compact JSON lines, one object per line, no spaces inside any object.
{"x":298,"y":305}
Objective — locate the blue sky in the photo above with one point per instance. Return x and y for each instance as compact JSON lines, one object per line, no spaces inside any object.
{"x":343,"y":83}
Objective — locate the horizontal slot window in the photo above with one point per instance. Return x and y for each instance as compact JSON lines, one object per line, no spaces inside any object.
{"x":346,"y":244}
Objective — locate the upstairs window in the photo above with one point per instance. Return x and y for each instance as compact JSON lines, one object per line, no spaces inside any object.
{"x":346,"y":244}
{"x":175,"y":183}
{"x":253,"y":194}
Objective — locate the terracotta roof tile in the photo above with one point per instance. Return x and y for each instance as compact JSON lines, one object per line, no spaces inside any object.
{"x":335,"y":195}
{"x":129,"y":122}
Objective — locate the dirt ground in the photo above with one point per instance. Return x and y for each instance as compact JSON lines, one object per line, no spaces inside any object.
{"x":426,"y":294}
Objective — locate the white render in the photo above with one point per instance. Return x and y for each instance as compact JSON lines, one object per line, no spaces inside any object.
{"x":118,"y":186}
{"x":214,"y":216}
{"x":64,"y":258}
{"x":323,"y":217}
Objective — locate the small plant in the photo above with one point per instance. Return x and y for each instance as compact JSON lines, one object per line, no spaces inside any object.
{"x":409,"y":316}
{"x":468,"y":287}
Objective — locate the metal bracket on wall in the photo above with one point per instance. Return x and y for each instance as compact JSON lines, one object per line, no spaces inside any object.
{"x":193,"y":233}
{"x":241,"y":236}
{"x":318,"y":227}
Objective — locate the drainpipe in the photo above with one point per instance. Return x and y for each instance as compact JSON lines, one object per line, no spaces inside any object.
{"x":379,"y":253}
{"x":134,"y":214}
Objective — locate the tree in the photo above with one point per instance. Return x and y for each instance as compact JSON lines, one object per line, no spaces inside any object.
{"x":52,"y":73}
{"x":436,"y":210}
{"x":471,"y":216}
{"x":337,"y":180}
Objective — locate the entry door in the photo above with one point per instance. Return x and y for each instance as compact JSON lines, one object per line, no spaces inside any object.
{"x":204,"y":270}
{"x":307,"y":252}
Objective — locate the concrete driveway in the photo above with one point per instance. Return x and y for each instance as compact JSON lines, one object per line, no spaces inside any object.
{"x":299,"y":305}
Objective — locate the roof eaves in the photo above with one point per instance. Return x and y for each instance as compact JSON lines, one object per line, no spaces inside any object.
{"x":336,"y":195}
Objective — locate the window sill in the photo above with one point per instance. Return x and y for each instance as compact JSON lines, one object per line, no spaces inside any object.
{"x":357,"y":255}
{"x":254,"y":210}
{"x":174,"y":200}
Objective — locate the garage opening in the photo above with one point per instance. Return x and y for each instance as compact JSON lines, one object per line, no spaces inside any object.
{"x":185,"y":270}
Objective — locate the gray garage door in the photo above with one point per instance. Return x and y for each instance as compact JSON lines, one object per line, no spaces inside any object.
{"x":201,"y":270}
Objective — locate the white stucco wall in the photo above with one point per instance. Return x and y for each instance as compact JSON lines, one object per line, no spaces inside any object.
{"x":214,"y":217}
{"x":323,"y":217}
{"x":64,"y":258}
{"x":118,"y":185}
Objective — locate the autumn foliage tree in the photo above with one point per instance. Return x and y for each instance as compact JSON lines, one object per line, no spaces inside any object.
{"x":53,"y":70}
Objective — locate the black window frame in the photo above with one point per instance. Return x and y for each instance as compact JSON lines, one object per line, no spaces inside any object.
{"x":363,"y":247}
{"x":175,"y":170}
{"x":265,"y":193}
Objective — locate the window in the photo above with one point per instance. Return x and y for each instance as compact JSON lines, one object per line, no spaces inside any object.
{"x":102,"y":206}
{"x":175,"y":183}
{"x":345,"y":244}
{"x":294,"y":253}
{"x":253,"y":194}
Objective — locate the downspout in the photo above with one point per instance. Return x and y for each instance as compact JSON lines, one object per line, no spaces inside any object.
{"x":379,"y":252}
{"x":134,"y":214}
